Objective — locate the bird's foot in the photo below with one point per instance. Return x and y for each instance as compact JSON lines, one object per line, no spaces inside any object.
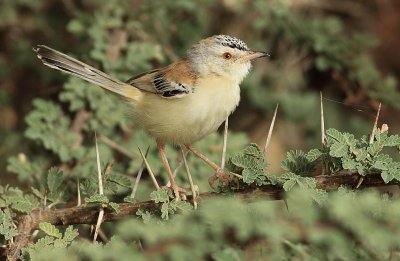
{"x":178,"y":191}
{"x":220,"y":176}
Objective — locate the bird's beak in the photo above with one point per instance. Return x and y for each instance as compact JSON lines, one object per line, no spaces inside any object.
{"x":251,"y":55}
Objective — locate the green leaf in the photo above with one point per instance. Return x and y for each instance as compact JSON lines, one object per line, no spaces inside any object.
{"x":70,"y":234}
{"x":374,"y":148}
{"x":145,"y":215}
{"x":120,"y":180}
{"x":336,"y":135}
{"x":392,"y":141}
{"x":298,"y":163}
{"x":289,"y":184}
{"x":160,"y":195}
{"x":97,"y":198}
{"x":7,"y":228}
{"x":50,"y":229}
{"x":129,"y":199}
{"x":349,"y":164}
{"x":165,"y":211}
{"x":20,"y":202}
{"x":114,"y":206}
{"x":249,"y":176}
{"x":314,"y":154}
{"x":75,"y":26}
{"x":54,"y":181}
{"x":338,"y":150}
{"x":386,"y":176}
{"x":361,"y":154}
{"x":182,"y":206}
{"x":48,"y":125}
{"x":37,"y":193}
{"x":227,"y":254}
{"x":254,"y":151}
{"x":26,"y":169}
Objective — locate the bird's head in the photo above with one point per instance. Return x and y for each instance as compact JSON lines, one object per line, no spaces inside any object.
{"x":224,"y":56}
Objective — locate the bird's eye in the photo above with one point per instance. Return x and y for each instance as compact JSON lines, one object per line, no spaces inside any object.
{"x":227,"y":56}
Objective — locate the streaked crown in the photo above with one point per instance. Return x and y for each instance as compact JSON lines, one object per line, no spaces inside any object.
{"x":231,"y":42}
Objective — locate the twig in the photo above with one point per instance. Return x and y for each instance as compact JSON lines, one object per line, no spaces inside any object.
{"x":139,"y":175}
{"x":225,"y":143}
{"x":271,"y":127}
{"x":88,"y":215}
{"x":153,"y":178}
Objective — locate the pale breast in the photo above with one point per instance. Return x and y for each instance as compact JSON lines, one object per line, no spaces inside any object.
{"x":188,"y":119}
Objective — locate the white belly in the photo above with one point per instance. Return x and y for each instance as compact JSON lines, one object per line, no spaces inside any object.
{"x":190,"y":118}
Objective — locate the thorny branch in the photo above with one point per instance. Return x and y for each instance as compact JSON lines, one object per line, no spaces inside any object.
{"x":88,"y":215}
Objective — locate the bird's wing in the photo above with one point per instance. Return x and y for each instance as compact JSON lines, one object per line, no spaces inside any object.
{"x":174,"y":81}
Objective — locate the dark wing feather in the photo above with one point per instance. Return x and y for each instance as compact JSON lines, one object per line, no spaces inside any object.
{"x":169,"y":82}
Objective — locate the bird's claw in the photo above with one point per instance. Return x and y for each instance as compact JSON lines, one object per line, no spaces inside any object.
{"x":220,"y":176}
{"x":178,"y":192}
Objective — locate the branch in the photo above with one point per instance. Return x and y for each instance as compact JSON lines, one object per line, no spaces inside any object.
{"x":88,"y":215}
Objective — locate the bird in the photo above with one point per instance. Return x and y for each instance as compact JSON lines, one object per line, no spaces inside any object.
{"x":180,"y":103}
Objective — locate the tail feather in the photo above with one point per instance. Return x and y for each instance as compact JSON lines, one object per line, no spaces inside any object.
{"x":65,"y":63}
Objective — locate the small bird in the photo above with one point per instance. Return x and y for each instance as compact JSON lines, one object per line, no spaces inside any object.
{"x":182,"y":102}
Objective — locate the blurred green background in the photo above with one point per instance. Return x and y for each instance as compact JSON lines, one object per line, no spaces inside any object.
{"x":348,"y":51}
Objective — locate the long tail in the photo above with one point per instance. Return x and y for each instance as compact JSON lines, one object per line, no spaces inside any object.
{"x":65,"y":63}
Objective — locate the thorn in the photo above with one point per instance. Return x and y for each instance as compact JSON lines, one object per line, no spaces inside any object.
{"x":153,"y":178}
{"x":79,"y":193}
{"x":360,"y":181}
{"x":98,"y":224}
{"x":236,"y":175}
{"x":271,"y":127}
{"x":139,"y":175}
{"x":98,"y":166}
{"x":195,"y":192}
{"x":286,"y":204}
{"x":323,"y":138}
{"x":103,"y":235}
{"x":225,"y":143}
{"x":371,"y":139}
{"x":101,"y":192}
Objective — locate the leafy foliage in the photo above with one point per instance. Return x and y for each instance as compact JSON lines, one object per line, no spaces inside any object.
{"x":16,"y":200}
{"x":51,"y":244}
{"x":168,"y":207}
{"x":298,"y":162}
{"x":251,"y":164}
{"x":7,"y":228}
{"x":49,"y":126}
{"x":361,"y":155}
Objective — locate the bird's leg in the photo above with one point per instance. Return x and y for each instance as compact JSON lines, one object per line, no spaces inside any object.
{"x":219,"y":172}
{"x":164,"y":159}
